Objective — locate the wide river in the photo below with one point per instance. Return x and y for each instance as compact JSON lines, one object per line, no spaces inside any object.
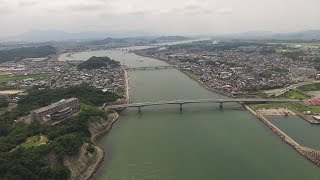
{"x":201,"y":142}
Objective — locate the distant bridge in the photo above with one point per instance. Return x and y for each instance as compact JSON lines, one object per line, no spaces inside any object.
{"x":219,"y":101}
{"x":148,"y":68}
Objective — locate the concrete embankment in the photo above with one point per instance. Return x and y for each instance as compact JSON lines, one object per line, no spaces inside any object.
{"x":311,"y":154}
{"x":85,"y":164}
{"x":126,"y":85}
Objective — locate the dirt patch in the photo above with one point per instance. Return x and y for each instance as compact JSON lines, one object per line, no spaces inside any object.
{"x":276,"y":112}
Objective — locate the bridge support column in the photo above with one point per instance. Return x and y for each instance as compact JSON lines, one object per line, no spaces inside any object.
{"x":221,"y":105}
{"x":180,"y":106}
{"x":139,"y":109}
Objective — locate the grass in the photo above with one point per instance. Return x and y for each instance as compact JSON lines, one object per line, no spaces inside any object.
{"x":294,"y":94}
{"x":294,"y":107}
{"x":22,"y":77}
{"x":310,"y":87}
{"x":191,"y":74}
{"x":34,"y":141}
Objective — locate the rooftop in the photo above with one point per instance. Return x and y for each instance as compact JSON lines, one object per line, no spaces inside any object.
{"x":62,"y":101}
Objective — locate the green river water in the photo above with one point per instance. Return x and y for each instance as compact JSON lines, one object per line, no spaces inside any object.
{"x":198,"y":143}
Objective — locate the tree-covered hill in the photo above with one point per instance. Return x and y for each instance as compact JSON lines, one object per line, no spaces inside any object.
{"x":37,"y":98}
{"x":26,"y":52}
{"x":98,"y":62}
{"x":46,"y":160}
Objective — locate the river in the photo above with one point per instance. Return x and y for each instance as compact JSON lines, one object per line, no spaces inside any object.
{"x":199,"y":142}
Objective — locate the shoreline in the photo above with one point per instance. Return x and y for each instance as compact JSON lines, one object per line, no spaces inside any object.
{"x":196,"y":80}
{"x":312,"y":155}
{"x":98,"y":135}
{"x":94,"y":138}
{"x":126,"y":85}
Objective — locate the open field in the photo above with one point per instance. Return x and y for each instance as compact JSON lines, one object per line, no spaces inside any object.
{"x":22,"y":77}
{"x":294,"y":94}
{"x":9,"y":92}
{"x":300,"y":108}
{"x":310,"y":87}
{"x":275,"y":112}
{"x":303,"y":44}
{"x":34,"y":141}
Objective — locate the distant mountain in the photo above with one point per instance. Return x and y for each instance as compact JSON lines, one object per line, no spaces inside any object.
{"x":136,"y":40}
{"x":41,"y":36}
{"x":110,"y":41}
{"x":307,"y":35}
{"x":26,"y":52}
{"x":54,"y":35}
{"x":171,"y":38}
{"x":303,"y":35}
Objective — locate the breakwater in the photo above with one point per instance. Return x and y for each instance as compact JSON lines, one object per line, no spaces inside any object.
{"x":311,"y":154}
{"x":126,"y":85}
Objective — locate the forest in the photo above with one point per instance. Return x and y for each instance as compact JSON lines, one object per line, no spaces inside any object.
{"x":26,"y":52}
{"x":46,"y":160}
{"x":98,"y":62}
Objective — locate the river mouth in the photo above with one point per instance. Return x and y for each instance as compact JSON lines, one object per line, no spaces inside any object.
{"x":200,"y":142}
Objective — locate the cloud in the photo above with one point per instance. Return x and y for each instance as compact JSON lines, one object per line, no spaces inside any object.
{"x":86,"y":7}
{"x":225,"y":11}
{"x":27,"y":3}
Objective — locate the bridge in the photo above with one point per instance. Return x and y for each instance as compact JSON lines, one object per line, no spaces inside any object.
{"x":148,"y":68}
{"x":181,"y":102}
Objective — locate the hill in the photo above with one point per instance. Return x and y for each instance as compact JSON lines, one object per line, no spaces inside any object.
{"x":36,"y":151}
{"x":171,"y":38}
{"x":98,"y":62}
{"x":301,"y":35}
{"x":26,"y":52}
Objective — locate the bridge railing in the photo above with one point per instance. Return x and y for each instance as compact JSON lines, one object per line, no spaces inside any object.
{"x":220,"y":101}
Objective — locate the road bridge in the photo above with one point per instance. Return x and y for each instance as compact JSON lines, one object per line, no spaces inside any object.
{"x":181,"y":102}
{"x":149,"y":68}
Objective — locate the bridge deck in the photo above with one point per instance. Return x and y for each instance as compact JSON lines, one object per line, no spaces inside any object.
{"x":149,"y":67}
{"x":202,"y":101}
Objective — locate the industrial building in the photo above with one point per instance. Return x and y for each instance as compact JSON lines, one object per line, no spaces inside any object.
{"x":56,"y":112}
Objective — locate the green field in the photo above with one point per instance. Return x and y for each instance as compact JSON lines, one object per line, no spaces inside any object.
{"x":34,"y":141}
{"x":310,"y":87}
{"x":22,"y":77}
{"x":294,"y":94}
{"x":191,"y":74}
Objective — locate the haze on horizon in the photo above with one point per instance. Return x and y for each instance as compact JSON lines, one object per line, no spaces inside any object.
{"x":172,"y":17}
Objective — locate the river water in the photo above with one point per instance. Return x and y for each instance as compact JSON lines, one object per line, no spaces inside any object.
{"x":198,"y":143}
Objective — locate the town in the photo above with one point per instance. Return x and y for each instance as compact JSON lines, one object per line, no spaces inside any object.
{"x":54,"y":72}
{"x":240,"y":68}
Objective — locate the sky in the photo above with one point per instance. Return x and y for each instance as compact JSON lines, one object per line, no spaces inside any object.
{"x":171,"y":17}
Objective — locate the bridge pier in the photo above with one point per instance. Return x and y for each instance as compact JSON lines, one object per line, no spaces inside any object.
{"x":221,"y":105}
{"x":139,"y":109}
{"x":180,"y":106}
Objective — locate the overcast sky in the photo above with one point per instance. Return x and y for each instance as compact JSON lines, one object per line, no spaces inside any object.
{"x":187,"y":17}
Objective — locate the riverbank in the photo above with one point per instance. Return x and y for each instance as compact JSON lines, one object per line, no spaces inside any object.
{"x":191,"y":77}
{"x":126,"y":85}
{"x":311,"y":154}
{"x":84,"y":166}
